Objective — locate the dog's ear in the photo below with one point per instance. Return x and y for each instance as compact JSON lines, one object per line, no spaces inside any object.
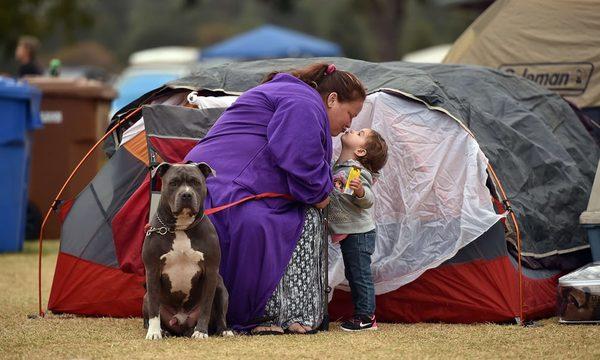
{"x":205,"y":169}
{"x":161,"y":169}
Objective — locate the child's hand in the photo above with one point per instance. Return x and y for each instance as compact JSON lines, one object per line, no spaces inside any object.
{"x":357,"y":186}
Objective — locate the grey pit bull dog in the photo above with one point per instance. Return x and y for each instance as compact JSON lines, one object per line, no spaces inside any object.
{"x":185,"y":295}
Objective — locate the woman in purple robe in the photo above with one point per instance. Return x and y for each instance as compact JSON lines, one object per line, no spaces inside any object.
{"x":276,"y":138}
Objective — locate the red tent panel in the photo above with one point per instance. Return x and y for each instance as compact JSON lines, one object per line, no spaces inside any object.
{"x":128,"y":229}
{"x":171,"y":149}
{"x":85,"y":288}
{"x":478,"y":291}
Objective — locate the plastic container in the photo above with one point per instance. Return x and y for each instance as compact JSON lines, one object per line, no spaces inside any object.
{"x":19,"y":106}
{"x":579,"y":295}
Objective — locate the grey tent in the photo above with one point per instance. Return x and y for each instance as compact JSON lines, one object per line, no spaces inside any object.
{"x":492,"y":138}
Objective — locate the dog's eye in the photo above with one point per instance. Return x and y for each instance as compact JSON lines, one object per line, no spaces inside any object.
{"x":173,"y":183}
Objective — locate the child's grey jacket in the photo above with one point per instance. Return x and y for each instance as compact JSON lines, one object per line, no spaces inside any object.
{"x":347,"y":213}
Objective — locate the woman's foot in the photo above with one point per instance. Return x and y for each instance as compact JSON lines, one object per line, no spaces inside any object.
{"x":297,"y":328}
{"x":267,"y":330}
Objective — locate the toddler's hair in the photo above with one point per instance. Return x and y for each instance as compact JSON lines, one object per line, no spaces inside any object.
{"x":377,"y":152}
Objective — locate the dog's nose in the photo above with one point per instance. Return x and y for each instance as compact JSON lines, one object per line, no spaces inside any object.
{"x":186,"y":196}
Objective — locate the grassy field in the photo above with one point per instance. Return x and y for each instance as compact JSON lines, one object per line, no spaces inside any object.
{"x":59,"y":337}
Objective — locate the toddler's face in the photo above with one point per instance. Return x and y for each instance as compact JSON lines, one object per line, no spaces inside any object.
{"x":354,"y":139}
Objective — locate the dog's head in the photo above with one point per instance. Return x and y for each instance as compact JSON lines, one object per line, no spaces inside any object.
{"x":184,"y":186}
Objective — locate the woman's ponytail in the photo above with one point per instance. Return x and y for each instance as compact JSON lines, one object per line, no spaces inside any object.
{"x":326,"y":78}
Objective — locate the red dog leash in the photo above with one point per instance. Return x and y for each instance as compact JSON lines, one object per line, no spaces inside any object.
{"x":227,"y":206}
{"x":251,"y":197}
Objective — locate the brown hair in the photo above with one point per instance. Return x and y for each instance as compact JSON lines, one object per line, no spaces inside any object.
{"x":347,"y":86}
{"x":377,"y":152}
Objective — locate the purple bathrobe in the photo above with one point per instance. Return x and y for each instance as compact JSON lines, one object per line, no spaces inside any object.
{"x":274,"y":138}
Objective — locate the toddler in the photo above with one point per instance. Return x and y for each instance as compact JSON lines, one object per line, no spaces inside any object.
{"x":351,"y":223}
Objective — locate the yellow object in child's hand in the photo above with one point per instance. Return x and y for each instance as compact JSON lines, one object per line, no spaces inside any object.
{"x":353,"y":174}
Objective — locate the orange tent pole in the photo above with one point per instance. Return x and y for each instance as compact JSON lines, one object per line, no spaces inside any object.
{"x":57,"y":197}
{"x":518,"y":235}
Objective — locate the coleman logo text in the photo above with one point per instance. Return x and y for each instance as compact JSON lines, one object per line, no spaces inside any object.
{"x":564,"y":78}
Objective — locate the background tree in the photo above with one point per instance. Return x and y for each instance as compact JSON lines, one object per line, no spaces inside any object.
{"x":40,"y":18}
{"x":373,"y":30}
{"x":386,"y":18}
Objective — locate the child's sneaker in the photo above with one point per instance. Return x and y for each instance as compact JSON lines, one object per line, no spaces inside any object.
{"x":360,"y":323}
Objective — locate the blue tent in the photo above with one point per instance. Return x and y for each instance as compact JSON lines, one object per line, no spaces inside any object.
{"x":270,"y":41}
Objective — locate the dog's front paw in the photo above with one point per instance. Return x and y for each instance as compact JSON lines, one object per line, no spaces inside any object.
{"x":199,"y":335}
{"x":227,"y":333}
{"x":154,"y":332}
{"x":153,"y":335}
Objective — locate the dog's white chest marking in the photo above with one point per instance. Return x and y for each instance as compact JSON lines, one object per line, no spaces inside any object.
{"x":182,"y":264}
{"x":184,"y":220}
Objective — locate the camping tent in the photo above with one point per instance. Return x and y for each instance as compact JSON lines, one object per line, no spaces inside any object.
{"x":271,"y":41}
{"x":462,"y":139}
{"x":433,"y":54}
{"x":553,"y":43}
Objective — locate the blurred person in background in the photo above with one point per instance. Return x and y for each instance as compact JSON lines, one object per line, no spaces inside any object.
{"x":25,"y":54}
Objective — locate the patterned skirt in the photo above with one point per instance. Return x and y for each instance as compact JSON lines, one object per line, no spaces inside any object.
{"x":299,"y":296}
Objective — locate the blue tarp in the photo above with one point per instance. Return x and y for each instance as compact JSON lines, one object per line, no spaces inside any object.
{"x":271,"y":41}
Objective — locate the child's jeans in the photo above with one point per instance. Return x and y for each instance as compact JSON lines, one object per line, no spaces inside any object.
{"x":356,"y":251}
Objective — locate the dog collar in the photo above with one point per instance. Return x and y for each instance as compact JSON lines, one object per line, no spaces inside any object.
{"x":164,"y":229}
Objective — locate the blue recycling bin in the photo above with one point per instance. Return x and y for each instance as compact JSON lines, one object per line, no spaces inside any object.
{"x":20,"y":114}
{"x":593,"y":235}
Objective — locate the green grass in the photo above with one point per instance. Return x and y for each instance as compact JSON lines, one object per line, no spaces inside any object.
{"x":59,"y":337}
